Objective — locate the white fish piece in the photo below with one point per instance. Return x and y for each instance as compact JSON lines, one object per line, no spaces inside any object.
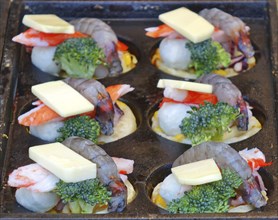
{"x":171,"y":189}
{"x":174,"y":53}
{"x":47,"y":131}
{"x":175,"y":94}
{"x":36,"y":201}
{"x":170,"y":116}
{"x":43,"y":59}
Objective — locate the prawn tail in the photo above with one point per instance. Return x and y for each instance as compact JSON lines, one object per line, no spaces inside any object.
{"x":243,"y":119}
{"x":113,"y":60}
{"x":252,"y":193}
{"x":105,"y":115}
{"x":118,"y":199}
{"x":245,"y":45}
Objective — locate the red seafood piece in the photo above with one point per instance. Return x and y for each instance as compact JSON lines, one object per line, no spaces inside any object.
{"x":34,"y":38}
{"x":194,"y":98}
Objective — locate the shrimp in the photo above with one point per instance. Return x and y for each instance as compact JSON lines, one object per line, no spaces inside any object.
{"x":33,"y":177}
{"x":226,"y":157}
{"x":92,"y":90}
{"x":105,"y":38}
{"x":227,"y":92}
{"x":33,"y":38}
{"x":96,"y":93}
{"x":234,"y":28}
{"x":107,"y":170}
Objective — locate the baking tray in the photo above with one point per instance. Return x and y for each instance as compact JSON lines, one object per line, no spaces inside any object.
{"x":153,"y":154}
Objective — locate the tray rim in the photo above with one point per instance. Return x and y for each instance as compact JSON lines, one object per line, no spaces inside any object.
{"x":274,"y":59}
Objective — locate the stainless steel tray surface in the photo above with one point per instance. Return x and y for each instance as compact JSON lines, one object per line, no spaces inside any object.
{"x":153,"y":154}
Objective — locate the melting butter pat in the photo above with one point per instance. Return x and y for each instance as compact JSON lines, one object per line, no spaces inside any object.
{"x":188,"y":23}
{"x":62,"y":98}
{"x":63,"y":162}
{"x":191,"y":86}
{"x":48,"y":23}
{"x":197,"y":173}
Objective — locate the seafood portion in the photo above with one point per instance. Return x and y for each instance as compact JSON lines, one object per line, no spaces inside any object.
{"x":33,"y":177}
{"x":250,"y":195}
{"x":227,"y":157}
{"x":92,"y":51}
{"x":38,"y":189}
{"x":230,"y":42}
{"x":45,"y":123}
{"x":105,"y":38}
{"x":107,"y":170}
{"x":96,"y":93}
{"x":234,"y":30}
{"x":227,"y":92}
{"x":194,"y":117}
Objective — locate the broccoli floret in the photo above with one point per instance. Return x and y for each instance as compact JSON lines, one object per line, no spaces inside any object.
{"x":208,"y":122}
{"x":207,"y":56}
{"x":82,"y":194}
{"x":79,"y":57}
{"x":81,"y":126}
{"x":208,"y":198}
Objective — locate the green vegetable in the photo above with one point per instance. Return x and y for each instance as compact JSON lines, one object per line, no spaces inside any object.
{"x":208,"y":122}
{"x":83,"y":196}
{"x":207,"y":56}
{"x":79,"y":57}
{"x":208,"y":198}
{"x":81,"y":126}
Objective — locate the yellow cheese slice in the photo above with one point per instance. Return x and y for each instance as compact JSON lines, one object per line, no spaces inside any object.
{"x":188,"y":23}
{"x":62,"y":98}
{"x":63,"y":162}
{"x":197,"y":173}
{"x":178,"y":84}
{"x":48,"y":23}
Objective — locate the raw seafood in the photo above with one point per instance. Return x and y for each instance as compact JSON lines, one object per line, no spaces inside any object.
{"x":227,"y":92}
{"x":95,"y":92}
{"x":92,"y":90}
{"x":107,"y":170}
{"x":105,"y":38}
{"x":230,"y":32}
{"x":33,"y":177}
{"x":234,"y":29}
{"x":226,"y":157}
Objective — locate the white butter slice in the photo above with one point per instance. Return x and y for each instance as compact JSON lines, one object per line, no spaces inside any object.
{"x":63,"y":162}
{"x":191,"y":86}
{"x":48,"y":23}
{"x":188,"y":23}
{"x":62,"y":98}
{"x":197,"y":173}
